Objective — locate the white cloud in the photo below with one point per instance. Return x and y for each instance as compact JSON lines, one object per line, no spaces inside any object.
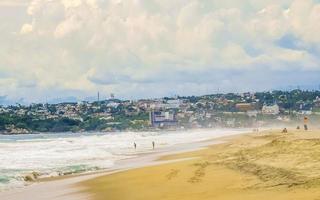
{"x":87,"y":45}
{"x":71,"y":3}
{"x":26,"y":28}
{"x":67,"y":27}
{"x":304,"y":16}
{"x":14,"y":3}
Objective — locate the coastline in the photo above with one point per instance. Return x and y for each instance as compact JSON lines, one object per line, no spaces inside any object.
{"x":68,"y":187}
{"x":249,"y":166}
{"x":246,"y":166}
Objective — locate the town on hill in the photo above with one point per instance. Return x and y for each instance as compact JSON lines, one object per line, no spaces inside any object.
{"x":207,"y":111}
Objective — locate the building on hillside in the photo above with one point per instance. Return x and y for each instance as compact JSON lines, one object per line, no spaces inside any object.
{"x":163,"y":119}
{"x":173,"y":104}
{"x":3,"y":110}
{"x":170,"y":104}
{"x":244,"y":107}
{"x":317,"y":102}
{"x":157,"y":105}
{"x":270,"y":109}
{"x":113,"y":104}
{"x":248,"y":108}
{"x":231,"y":122}
{"x":305,"y":112}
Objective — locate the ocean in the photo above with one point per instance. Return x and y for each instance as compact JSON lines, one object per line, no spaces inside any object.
{"x":59,"y":154}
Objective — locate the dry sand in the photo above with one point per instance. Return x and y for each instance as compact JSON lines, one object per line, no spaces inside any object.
{"x":267,"y":165}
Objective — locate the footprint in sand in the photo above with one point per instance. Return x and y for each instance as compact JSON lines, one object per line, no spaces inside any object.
{"x":199,"y":173}
{"x":173,"y":173}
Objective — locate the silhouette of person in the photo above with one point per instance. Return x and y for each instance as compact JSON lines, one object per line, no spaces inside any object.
{"x":285,"y":130}
{"x":305,"y":120}
{"x":153,"y":144}
{"x":135,"y":145}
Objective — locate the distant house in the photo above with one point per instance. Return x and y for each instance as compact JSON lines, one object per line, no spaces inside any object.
{"x":113,"y":104}
{"x":157,"y":105}
{"x":208,"y":115}
{"x":163,"y":119}
{"x":270,"y":109}
{"x":248,"y":108}
{"x":104,"y":115}
{"x":3,"y":110}
{"x":305,"y":112}
{"x":244,"y":107}
{"x":231,"y":122}
{"x":175,"y":103}
{"x":317,"y":102}
{"x":170,"y":104}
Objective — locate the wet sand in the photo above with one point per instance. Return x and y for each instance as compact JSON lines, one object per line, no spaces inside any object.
{"x":69,"y":187}
{"x":267,"y":165}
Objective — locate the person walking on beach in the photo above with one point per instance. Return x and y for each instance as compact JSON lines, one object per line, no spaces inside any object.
{"x":135,"y":145}
{"x":305,"y":120}
{"x":153,"y":144}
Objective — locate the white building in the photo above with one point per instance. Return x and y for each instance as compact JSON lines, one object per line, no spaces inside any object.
{"x":170,"y":104}
{"x":271,"y":110}
{"x":160,"y":119}
{"x":176,"y":103}
{"x":113,"y":105}
{"x":157,"y":106}
{"x":3,"y":110}
{"x":305,"y":112}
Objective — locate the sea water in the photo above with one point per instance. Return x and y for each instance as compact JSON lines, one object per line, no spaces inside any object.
{"x":68,"y":153}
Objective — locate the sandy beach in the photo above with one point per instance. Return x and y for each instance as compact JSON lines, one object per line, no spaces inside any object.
{"x":248,"y":166}
{"x":253,"y":166}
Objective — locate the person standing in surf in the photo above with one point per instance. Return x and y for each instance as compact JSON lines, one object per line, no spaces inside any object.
{"x":153,"y":144}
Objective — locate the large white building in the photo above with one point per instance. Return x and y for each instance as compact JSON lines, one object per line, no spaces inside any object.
{"x":170,"y":104}
{"x":175,"y":103}
{"x":271,"y":109}
{"x":160,"y":119}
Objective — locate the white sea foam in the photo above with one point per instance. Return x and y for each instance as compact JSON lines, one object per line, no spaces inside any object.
{"x":56,"y":154}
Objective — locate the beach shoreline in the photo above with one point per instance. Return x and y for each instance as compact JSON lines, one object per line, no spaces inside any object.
{"x":249,"y":166}
{"x":68,"y":187}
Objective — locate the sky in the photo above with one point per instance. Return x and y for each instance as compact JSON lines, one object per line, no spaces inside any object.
{"x":68,"y":50}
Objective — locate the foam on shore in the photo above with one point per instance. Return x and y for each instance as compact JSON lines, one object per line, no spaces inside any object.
{"x":61,"y":154}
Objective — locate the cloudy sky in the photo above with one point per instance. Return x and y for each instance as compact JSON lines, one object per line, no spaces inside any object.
{"x":70,"y":49}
